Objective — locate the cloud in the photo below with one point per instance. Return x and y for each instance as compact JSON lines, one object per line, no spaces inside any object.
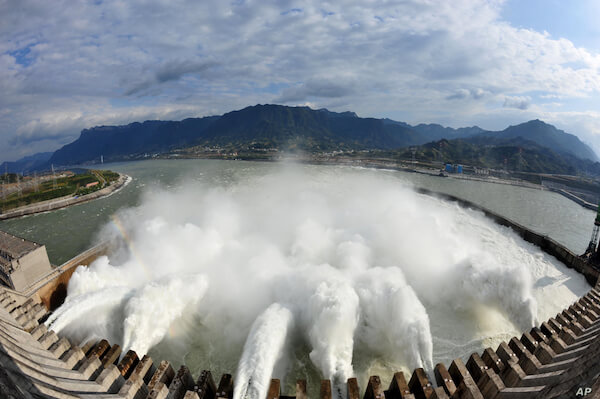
{"x":315,"y":88}
{"x":521,"y":103}
{"x":170,"y":71}
{"x":462,"y":94}
{"x":418,"y":60}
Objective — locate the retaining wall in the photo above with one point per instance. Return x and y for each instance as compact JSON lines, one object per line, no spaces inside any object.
{"x":546,"y":243}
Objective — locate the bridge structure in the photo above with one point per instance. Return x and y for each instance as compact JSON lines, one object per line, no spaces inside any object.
{"x":560,"y":358}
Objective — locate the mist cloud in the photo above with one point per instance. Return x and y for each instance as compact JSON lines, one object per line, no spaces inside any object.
{"x":339,"y":263}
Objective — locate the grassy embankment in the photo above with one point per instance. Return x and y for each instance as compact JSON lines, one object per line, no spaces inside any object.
{"x":65,"y":186}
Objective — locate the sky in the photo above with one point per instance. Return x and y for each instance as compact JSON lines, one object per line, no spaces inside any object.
{"x":66,"y":65}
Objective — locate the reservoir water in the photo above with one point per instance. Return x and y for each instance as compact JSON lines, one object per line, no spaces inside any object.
{"x":303,"y":271}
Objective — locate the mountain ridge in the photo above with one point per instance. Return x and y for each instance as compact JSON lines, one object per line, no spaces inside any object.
{"x":551,"y":137}
{"x":294,"y":128}
{"x":30,"y":162}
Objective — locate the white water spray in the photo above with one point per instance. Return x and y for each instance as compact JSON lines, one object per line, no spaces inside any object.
{"x":394,"y":323}
{"x":262,"y":350}
{"x":83,"y":305}
{"x":359,"y":261}
{"x":147,"y":320}
{"x":332,"y":315}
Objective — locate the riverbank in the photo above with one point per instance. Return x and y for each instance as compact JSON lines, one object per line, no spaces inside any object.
{"x":576,"y":199}
{"x":355,"y":161}
{"x":63,"y":202}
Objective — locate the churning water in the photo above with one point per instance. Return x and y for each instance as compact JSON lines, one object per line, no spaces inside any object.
{"x":310,"y":273}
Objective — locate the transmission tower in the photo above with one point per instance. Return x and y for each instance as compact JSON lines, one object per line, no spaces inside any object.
{"x":4,"y":181}
{"x":19,"y":190}
{"x":594,"y":241}
{"x":36,"y":186}
{"x":54,"y":184}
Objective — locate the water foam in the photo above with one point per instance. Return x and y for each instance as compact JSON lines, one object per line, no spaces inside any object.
{"x":345,"y":261}
{"x":147,"y":319}
{"x":262,"y":350}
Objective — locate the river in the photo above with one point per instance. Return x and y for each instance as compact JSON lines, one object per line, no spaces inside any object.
{"x":305,"y":271}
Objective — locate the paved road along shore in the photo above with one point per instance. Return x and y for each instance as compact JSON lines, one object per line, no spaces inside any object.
{"x":63,"y":202}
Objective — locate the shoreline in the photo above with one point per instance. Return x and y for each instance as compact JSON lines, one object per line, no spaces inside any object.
{"x":372,"y":163}
{"x":361,"y":163}
{"x":365,"y":163}
{"x":575,"y":199}
{"x":66,"y":201}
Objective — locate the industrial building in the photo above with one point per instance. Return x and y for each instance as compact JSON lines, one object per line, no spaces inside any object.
{"x":22,"y":262}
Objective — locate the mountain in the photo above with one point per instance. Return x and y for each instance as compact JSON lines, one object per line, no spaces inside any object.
{"x":514,"y":154}
{"x":547,"y":136}
{"x":114,"y":142}
{"x":305,"y":129}
{"x":434,"y":132}
{"x":26,"y":164}
{"x":271,"y":125}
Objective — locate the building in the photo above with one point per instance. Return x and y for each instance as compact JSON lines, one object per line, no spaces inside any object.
{"x":22,"y":262}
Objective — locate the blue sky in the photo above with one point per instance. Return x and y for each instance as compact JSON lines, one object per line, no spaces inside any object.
{"x":575,"y":20}
{"x":67,"y":65}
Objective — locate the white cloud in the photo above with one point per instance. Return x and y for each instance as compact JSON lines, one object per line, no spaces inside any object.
{"x":119,"y":61}
{"x":518,"y":102}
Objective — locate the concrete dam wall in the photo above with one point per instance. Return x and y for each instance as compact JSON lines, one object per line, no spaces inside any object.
{"x":557,"y":359}
{"x":547,"y":244}
{"x":560,"y":358}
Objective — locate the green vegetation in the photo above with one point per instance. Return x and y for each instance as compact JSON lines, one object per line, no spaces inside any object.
{"x":45,"y":188}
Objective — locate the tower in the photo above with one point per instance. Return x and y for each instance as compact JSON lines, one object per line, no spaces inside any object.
{"x":19,"y":189}
{"x":4,"y":181}
{"x":36,"y":185}
{"x":54,"y":184}
{"x":594,"y":241}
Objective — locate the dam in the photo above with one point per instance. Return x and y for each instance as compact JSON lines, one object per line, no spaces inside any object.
{"x":240,"y":222}
{"x":556,"y":359}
